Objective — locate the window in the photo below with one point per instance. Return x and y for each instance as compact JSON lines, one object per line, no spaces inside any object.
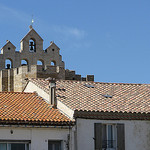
{"x":54,"y":145}
{"x":109,"y":136}
{"x":14,"y":146}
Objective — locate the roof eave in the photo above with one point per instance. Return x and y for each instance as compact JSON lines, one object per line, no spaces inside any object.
{"x":111,"y":115}
{"x":36,"y":123}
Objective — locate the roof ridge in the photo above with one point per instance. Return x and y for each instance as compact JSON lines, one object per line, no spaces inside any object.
{"x":103,"y":82}
{"x":75,"y":81}
{"x":17,"y":92}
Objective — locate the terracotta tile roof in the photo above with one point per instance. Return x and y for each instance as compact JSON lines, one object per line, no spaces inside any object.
{"x":28,"y":108}
{"x":97,"y":96}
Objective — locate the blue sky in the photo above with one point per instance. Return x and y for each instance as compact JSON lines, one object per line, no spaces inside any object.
{"x":110,"y":39}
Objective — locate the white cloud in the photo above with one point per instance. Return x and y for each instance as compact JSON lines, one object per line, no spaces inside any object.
{"x":10,"y":13}
{"x":76,"y":32}
{"x":70,"y":31}
{"x":73,"y":36}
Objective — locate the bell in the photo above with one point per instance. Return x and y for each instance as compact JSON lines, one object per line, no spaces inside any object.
{"x":31,"y":48}
{"x":8,"y":66}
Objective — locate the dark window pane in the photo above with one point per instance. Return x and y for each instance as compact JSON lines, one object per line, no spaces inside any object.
{"x":110,"y":132}
{"x":3,"y":146}
{"x":57,"y":146}
{"x":104,"y":134}
{"x":27,"y":146}
{"x":50,"y":146}
{"x":110,"y":136}
{"x":54,"y":145}
{"x":17,"y":146}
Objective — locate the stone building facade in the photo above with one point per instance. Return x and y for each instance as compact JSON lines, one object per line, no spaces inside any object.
{"x":32,"y":62}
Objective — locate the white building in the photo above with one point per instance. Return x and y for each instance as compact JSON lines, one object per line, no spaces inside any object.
{"x":27,"y":122}
{"x":108,"y":116}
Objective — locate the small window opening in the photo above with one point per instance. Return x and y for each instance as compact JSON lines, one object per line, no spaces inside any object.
{"x":53,"y":50}
{"x":53,"y":63}
{"x":8,"y":64}
{"x":24,"y":62}
{"x":8,"y":48}
{"x":32,"y":45}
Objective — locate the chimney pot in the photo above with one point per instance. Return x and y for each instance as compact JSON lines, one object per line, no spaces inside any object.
{"x":52,"y":91}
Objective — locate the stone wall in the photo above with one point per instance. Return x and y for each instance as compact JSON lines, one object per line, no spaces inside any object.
{"x":15,"y":79}
{"x":35,"y":71}
{"x":71,"y":75}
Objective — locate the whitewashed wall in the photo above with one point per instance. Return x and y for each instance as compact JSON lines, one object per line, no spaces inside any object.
{"x":31,"y":87}
{"x":39,"y":136}
{"x":137,"y":134}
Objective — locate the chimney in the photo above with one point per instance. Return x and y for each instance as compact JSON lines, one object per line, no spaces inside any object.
{"x":52,"y":91}
{"x":90,"y":78}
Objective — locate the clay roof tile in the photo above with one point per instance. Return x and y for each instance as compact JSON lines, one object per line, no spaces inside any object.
{"x":26,"y":107}
{"x":98,"y":96}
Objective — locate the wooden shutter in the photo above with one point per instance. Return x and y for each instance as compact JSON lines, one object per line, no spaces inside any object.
{"x":98,"y":136}
{"x":120,"y":137}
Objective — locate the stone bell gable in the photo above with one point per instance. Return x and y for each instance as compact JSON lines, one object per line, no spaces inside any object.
{"x":7,"y":48}
{"x":32,"y":42}
{"x":31,"y":61}
{"x":30,"y":52}
{"x":7,"y":52}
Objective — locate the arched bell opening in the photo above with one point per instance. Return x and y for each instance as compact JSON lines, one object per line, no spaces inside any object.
{"x":32,"y":45}
{"x":24,"y":62}
{"x":40,"y":63}
{"x":53,"y":63}
{"x":8,"y":63}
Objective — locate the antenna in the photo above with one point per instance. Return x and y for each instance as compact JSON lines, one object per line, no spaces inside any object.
{"x":32,"y":21}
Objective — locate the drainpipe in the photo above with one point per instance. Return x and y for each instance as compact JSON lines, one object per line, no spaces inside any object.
{"x":52,"y":91}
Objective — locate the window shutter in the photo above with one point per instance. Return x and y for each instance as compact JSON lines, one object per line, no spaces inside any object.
{"x":120,"y":137}
{"x":98,"y":136}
